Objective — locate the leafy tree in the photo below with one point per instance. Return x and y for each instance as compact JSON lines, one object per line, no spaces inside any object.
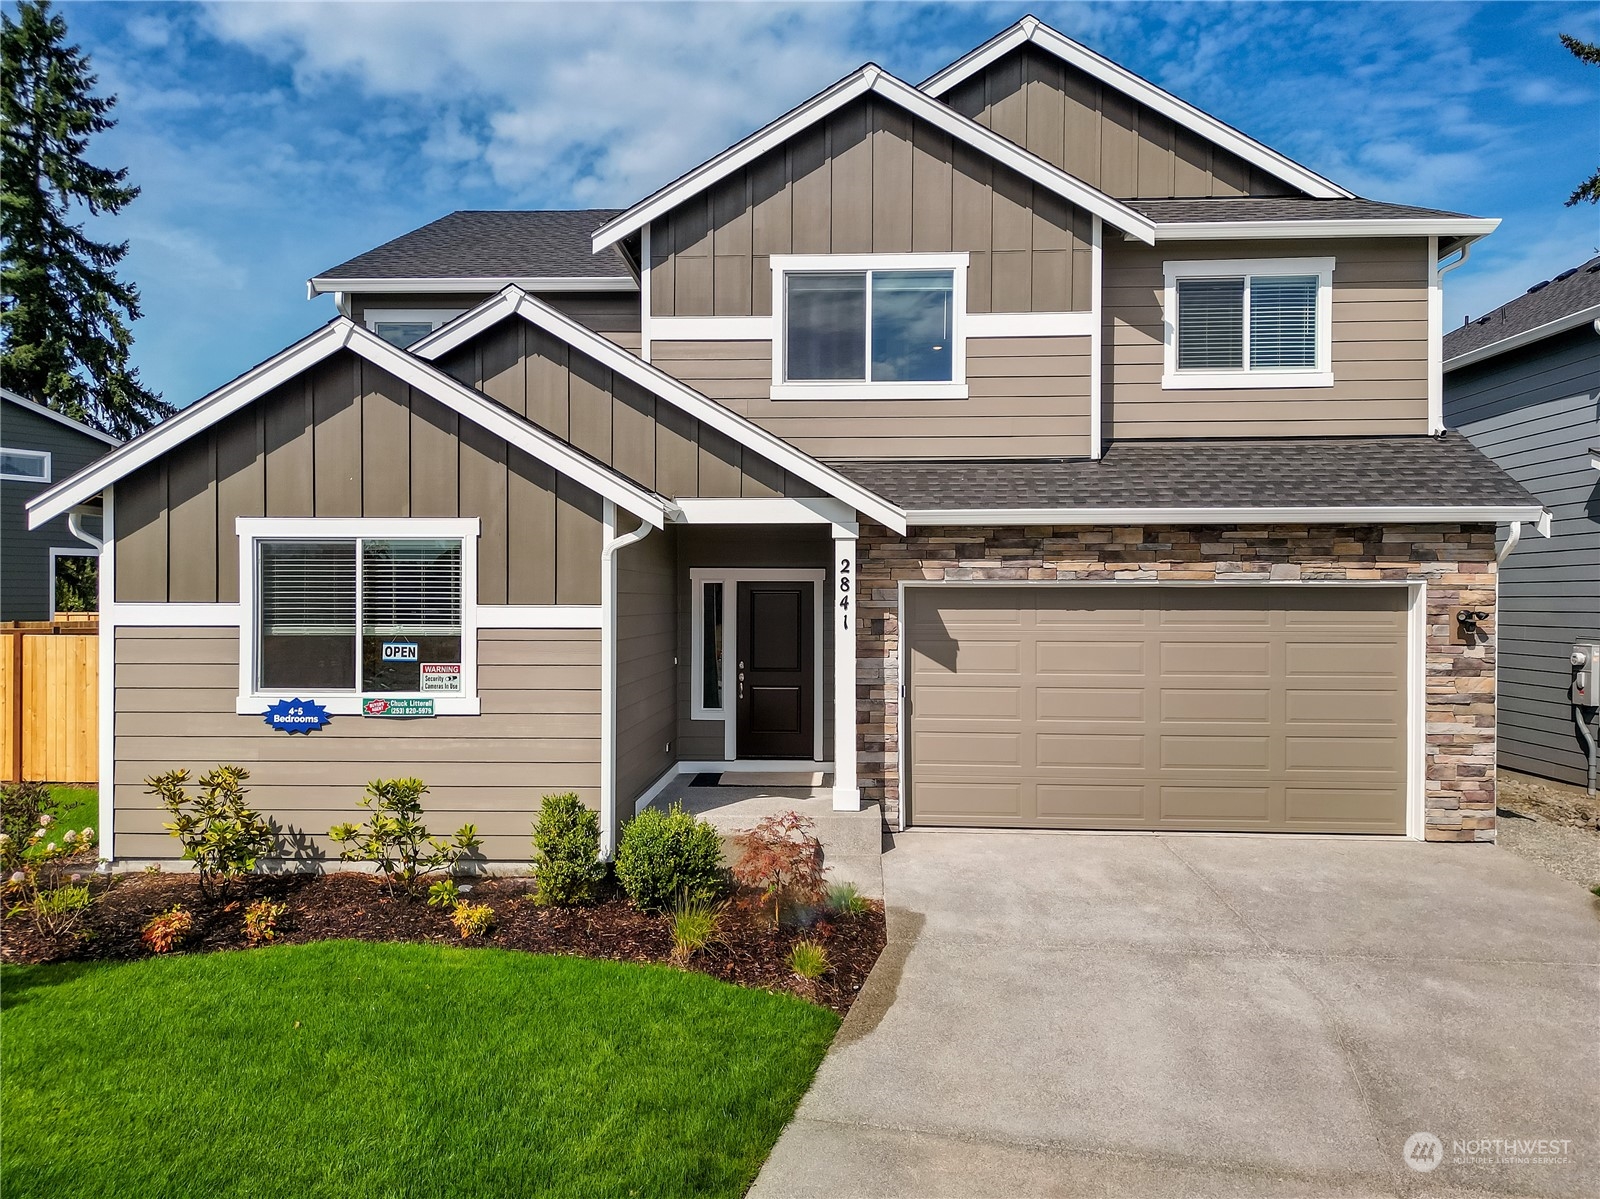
{"x":64,"y":314}
{"x":1587,"y":52}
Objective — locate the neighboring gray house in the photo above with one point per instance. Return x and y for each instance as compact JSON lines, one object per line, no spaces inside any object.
{"x":38,"y":447}
{"x":1523,"y":384}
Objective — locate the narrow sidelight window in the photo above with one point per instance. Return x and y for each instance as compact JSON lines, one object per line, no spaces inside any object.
{"x":711,"y":647}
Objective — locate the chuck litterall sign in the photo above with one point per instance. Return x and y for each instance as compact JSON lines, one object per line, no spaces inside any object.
{"x":403,"y":705}
{"x":296,"y":716}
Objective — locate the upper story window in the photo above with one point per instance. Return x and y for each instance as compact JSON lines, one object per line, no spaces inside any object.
{"x":876,"y":326}
{"x":331,"y":610}
{"x":405,"y":326}
{"x":1249,"y":323}
{"x":30,"y":466}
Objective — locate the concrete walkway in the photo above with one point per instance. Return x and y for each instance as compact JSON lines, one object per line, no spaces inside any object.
{"x":1147,"y":1016}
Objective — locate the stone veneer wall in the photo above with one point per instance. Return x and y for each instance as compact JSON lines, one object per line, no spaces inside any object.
{"x":1456,"y":562}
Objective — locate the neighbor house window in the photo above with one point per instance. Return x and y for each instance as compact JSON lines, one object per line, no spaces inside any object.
{"x":405,"y":326}
{"x":887,"y":325}
{"x":1249,"y":324}
{"x":31,"y":466}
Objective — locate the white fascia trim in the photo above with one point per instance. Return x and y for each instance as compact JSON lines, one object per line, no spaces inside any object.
{"x":1030,"y":324}
{"x":330,"y":339}
{"x":1172,"y":379}
{"x":1526,"y":337}
{"x":1470,"y":227}
{"x":539,"y":616}
{"x":795,"y":511}
{"x":711,"y":328}
{"x":483,"y":283}
{"x":658,"y":382}
{"x":920,"y":517}
{"x":874,"y":79}
{"x":59,"y":418}
{"x":1031,"y":29}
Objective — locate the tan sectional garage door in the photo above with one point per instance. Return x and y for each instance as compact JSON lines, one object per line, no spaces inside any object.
{"x":1279,"y":709}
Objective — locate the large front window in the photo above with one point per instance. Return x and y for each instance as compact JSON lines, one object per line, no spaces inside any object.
{"x":377,"y":615}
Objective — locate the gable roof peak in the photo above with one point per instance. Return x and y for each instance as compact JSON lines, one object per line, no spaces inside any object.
{"x":1032,"y":31}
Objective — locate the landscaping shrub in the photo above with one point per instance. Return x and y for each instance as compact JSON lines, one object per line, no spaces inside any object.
{"x":669,"y":855}
{"x":845,"y":900}
{"x":219,"y":832}
{"x":567,"y":869}
{"x":261,"y":920}
{"x":444,"y":894}
{"x":809,"y":960}
{"x":472,"y":919}
{"x":695,"y":924}
{"x":58,"y":911}
{"x":395,"y":839}
{"x":782,"y":859}
{"x":169,"y":930}
{"x":24,"y":809}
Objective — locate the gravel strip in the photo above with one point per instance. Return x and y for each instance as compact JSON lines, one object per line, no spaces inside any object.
{"x":1568,"y":852}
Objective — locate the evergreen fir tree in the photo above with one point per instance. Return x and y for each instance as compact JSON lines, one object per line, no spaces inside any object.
{"x":1587,"y":52}
{"x":63,"y":312}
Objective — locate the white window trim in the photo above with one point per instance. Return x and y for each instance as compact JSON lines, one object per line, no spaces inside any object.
{"x":253,"y":702}
{"x":38,"y":456}
{"x":1172,"y":379}
{"x":859,"y":389}
{"x":730,"y":578}
{"x":58,"y":552}
{"x":437,"y":318}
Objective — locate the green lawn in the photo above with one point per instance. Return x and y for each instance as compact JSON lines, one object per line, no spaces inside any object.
{"x":353,"y":1069}
{"x":79,"y":806}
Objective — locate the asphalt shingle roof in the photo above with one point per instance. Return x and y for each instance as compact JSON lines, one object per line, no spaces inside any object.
{"x":1570,"y":292}
{"x":1337,"y":472}
{"x":1279,"y":208}
{"x":493,"y":245}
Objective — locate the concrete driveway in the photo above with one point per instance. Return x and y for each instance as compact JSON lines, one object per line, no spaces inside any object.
{"x":1157,"y":1015}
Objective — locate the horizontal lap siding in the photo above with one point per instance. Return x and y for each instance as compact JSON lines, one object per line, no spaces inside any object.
{"x":1536,"y":412}
{"x":1099,"y":134}
{"x":1029,"y":397}
{"x":614,"y":315}
{"x":646,"y":622}
{"x":1380,"y":347}
{"x":651,"y":440}
{"x":175,"y":690}
{"x":346,"y":439}
{"x":871,"y":179}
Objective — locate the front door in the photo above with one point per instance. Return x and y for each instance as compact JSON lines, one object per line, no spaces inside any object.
{"x":775,"y":680}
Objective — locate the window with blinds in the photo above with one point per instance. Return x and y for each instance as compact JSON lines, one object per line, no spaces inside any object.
{"x":1247,"y":323}
{"x":357,"y":614}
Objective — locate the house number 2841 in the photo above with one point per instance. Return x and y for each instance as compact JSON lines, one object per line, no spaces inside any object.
{"x":844,"y":592}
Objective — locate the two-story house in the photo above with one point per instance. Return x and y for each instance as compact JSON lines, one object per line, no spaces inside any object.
{"x":1025,"y":448}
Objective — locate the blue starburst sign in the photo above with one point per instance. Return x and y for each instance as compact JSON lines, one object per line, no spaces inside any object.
{"x":296,"y":716}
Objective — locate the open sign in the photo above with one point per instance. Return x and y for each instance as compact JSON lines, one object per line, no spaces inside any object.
{"x":399,"y":651}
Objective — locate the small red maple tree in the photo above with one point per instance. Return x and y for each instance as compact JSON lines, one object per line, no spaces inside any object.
{"x":782,"y":858}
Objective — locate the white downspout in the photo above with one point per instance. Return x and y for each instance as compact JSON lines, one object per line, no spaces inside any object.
{"x":1513,"y":535}
{"x":1436,"y":333}
{"x":609,"y":546}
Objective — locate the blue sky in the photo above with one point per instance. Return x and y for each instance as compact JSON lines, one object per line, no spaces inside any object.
{"x":275,"y":140}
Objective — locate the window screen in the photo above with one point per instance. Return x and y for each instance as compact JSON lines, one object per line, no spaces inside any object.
{"x":1210,"y":324}
{"x":1283,"y":320}
{"x":410,"y":611}
{"x":912,"y":325}
{"x":308,"y":615}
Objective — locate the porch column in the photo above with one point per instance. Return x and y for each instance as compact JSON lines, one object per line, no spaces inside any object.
{"x":846,"y":791}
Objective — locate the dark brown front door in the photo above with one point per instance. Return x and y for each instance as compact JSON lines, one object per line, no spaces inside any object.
{"x":776,"y":671}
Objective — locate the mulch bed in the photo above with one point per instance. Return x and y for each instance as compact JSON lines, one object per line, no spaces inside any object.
{"x":752,"y":953}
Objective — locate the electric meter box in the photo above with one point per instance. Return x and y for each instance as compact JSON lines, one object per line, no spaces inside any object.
{"x":1586,"y":673}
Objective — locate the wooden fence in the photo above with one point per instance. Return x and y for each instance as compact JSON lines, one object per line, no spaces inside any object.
{"x":49,"y":678}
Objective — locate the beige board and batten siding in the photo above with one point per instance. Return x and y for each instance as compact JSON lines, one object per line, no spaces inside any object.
{"x":1380,"y":346}
{"x":871,"y":179}
{"x":1028,"y":397}
{"x":647,"y":664}
{"x":1100,"y":134}
{"x":613,"y":314}
{"x":539,"y":732}
{"x":347,"y":439}
{"x":612,"y":419}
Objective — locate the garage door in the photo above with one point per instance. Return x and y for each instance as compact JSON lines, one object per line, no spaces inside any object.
{"x":1171,"y":708}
